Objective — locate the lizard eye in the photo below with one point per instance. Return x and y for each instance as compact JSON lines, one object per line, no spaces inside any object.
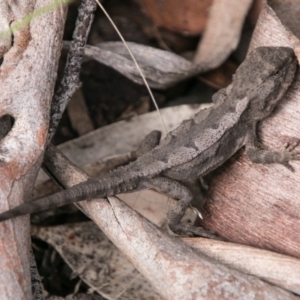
{"x":276,"y":72}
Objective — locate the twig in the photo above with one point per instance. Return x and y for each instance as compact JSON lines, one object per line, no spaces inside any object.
{"x":70,"y":80}
{"x":36,"y":284}
{"x":156,"y":255}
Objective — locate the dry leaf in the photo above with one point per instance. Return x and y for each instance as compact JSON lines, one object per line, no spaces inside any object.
{"x":97,"y":261}
{"x":161,"y":68}
{"x":221,"y":37}
{"x":188,"y":17}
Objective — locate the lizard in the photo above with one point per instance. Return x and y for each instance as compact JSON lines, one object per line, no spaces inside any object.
{"x":200,"y":144}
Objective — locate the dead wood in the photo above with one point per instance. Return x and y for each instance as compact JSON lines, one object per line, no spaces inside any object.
{"x":281,"y":270}
{"x":28,"y":72}
{"x":223,"y":32}
{"x":189,"y":16}
{"x":161,"y":68}
{"x":277,"y":269}
{"x":70,"y":81}
{"x":254,"y":204}
{"x":253,"y":215}
{"x":173,"y":268}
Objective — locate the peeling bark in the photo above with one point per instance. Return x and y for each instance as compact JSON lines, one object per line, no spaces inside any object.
{"x":254,"y":204}
{"x":27,"y":78}
{"x":174,"y":269}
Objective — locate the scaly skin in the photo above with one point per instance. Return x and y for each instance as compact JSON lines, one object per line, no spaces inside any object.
{"x":198,"y":145}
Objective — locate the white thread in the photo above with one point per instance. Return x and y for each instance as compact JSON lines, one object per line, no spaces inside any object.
{"x":135,"y":62}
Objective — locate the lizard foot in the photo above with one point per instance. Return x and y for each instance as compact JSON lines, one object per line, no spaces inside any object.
{"x":186,"y":229}
{"x":289,"y":153}
{"x":282,"y":156}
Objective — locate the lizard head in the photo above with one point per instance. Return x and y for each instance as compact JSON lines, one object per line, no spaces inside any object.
{"x":268,"y":72}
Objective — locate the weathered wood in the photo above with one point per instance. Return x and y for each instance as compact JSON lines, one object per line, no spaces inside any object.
{"x":255,"y":204}
{"x":27,"y":78}
{"x":173,"y":268}
{"x":221,"y":37}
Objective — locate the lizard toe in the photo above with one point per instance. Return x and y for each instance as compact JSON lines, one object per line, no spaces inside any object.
{"x":288,"y":166}
{"x":186,"y":229}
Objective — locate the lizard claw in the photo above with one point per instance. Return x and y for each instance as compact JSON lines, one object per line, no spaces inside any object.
{"x":289,"y":166}
{"x":196,"y":212}
{"x":185,"y":229}
{"x":290,"y":154}
{"x":290,"y":146}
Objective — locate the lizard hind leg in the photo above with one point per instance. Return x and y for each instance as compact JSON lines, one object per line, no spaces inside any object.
{"x":178,"y":191}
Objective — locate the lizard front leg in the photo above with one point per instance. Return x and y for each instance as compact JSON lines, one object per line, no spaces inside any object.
{"x":176,"y":190}
{"x":149,"y":142}
{"x":264,"y":156}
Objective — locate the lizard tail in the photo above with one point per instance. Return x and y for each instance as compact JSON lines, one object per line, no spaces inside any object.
{"x":83,"y":191}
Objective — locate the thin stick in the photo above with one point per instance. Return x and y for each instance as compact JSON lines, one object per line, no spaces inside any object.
{"x":136,"y":64}
{"x":70,"y":80}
